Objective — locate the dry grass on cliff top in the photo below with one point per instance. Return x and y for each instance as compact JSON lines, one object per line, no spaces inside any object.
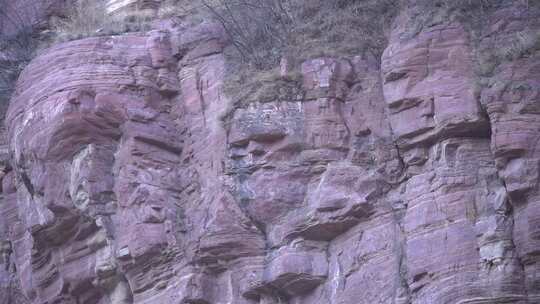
{"x":265,"y":31}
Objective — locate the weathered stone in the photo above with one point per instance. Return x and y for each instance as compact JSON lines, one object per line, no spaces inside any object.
{"x":400,"y":181}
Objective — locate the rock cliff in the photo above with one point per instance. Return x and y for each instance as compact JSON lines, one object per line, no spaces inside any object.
{"x":406,"y":179}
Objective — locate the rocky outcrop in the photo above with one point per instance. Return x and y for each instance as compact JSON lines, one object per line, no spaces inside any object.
{"x":394,"y":181}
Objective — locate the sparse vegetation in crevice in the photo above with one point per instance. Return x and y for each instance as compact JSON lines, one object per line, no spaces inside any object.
{"x":522,"y":44}
{"x":261,"y":86}
{"x":268,"y":86}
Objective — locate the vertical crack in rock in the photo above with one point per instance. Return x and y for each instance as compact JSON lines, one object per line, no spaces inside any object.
{"x":401,"y":289}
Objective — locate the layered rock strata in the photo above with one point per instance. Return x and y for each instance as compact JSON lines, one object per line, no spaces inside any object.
{"x":395,"y":181}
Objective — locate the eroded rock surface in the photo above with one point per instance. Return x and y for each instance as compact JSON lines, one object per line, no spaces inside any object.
{"x":400,"y":181}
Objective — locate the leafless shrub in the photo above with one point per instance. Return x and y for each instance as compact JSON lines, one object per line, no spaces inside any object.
{"x":525,"y":42}
{"x":89,"y":18}
{"x":85,"y":18}
{"x":341,"y":27}
{"x":15,"y":52}
{"x":263,"y":31}
{"x":18,"y":45}
{"x":258,"y":29}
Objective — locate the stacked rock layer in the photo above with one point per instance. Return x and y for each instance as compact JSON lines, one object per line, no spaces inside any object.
{"x":131,"y":180}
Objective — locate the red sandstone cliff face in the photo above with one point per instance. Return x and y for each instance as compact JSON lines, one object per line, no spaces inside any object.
{"x":400,"y":181}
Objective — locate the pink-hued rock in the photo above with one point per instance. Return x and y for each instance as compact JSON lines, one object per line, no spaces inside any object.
{"x":429,"y":87}
{"x":511,"y":101}
{"x":401,"y":181}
